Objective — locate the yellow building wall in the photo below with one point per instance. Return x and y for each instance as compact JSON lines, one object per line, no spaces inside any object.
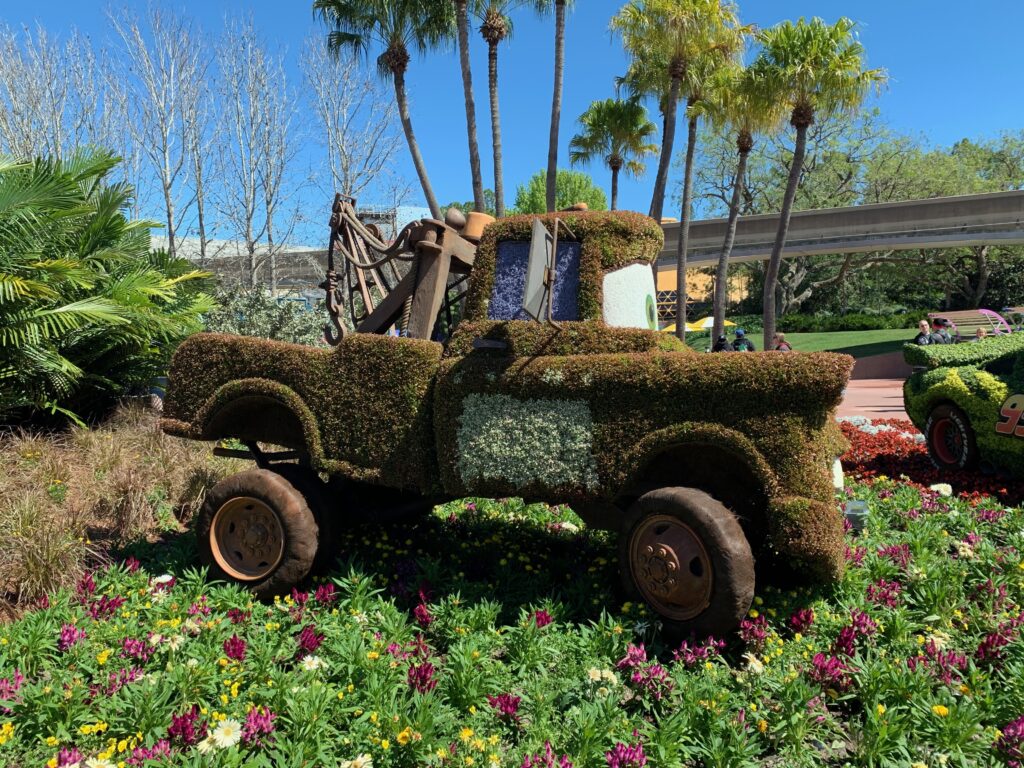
{"x":700,"y":285}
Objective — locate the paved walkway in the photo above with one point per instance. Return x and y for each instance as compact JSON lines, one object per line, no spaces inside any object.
{"x":874,"y":398}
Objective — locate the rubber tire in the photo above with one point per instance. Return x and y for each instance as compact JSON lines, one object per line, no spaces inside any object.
{"x":732,"y":563}
{"x":969,"y":456}
{"x":325,"y":512}
{"x":291,"y":508}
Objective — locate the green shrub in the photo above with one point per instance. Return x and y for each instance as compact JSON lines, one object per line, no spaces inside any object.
{"x":87,"y":311}
{"x":973,"y":353}
{"x":852,"y":322}
{"x":254,"y":312}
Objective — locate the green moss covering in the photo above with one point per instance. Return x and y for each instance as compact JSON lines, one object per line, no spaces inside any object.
{"x":609,"y":240}
{"x":809,"y":534}
{"x":367,"y":402}
{"x":526,"y":339}
{"x":970,"y":353}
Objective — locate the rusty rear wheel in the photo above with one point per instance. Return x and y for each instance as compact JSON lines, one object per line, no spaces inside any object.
{"x":256,"y":529}
{"x":950,"y":438}
{"x":246,"y":539}
{"x":684,"y":554}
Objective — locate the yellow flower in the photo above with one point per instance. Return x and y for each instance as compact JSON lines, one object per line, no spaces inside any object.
{"x":880,"y":709}
{"x":478,"y":744}
{"x":762,"y":725}
{"x":493,"y":739}
{"x":441,"y":753}
{"x":940,"y":711}
{"x":466,"y":734}
{"x":372,"y":655}
{"x":385,"y":745}
{"x":102,"y":656}
{"x":52,"y":741}
{"x":6,"y":732}
{"x":404,"y":736}
{"x":918,"y":764}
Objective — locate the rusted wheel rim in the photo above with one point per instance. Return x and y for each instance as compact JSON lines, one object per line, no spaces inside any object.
{"x":671,"y":567}
{"x":247,"y":538}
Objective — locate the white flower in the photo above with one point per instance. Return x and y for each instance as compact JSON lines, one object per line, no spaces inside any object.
{"x":965,"y":550}
{"x":312,"y":663}
{"x":164,"y":579}
{"x":96,"y":762}
{"x":940,"y":638}
{"x":569,"y":527}
{"x":602,"y":691}
{"x":943,"y":489}
{"x":594,"y":674}
{"x":192,"y":626}
{"x":610,"y":676}
{"x":176,"y":642}
{"x":205,"y":745}
{"x":227,"y":733}
{"x":753,"y":663}
{"x":155,"y":640}
{"x":192,"y":663}
{"x":363,"y":761}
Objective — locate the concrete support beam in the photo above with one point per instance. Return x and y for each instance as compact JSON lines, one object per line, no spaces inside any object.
{"x":942,"y":222}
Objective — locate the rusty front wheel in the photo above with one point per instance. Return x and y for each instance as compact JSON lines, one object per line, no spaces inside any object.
{"x":685,"y":555}
{"x":256,"y":529}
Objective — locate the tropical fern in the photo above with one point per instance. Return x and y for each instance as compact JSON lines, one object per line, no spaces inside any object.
{"x":87,"y":311}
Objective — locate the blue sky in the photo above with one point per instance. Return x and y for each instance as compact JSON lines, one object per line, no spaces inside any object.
{"x":954,"y":71}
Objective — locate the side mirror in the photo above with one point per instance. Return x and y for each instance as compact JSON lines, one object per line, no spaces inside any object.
{"x":540,"y":273}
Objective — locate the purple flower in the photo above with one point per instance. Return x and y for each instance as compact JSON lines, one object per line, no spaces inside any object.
{"x":132,"y":565}
{"x":801,"y":620}
{"x":1011,"y":743}
{"x":309,"y":640}
{"x":547,"y":759}
{"x":691,"y":656}
{"x":421,"y":677}
{"x":506,"y":705}
{"x":69,"y":636}
{"x":897,"y":554}
{"x":542,"y":618}
{"x":830,"y":673}
{"x":136,"y":648}
{"x":422,"y":615}
{"x":754,"y":632}
{"x":187,"y":729}
{"x":68,"y":756}
{"x":325,"y":594}
{"x":258,"y":727}
{"x":85,"y":587}
{"x":105,"y":607}
{"x":234,"y":648}
{"x":885,"y":593}
{"x":158,"y":751}
{"x":237,"y":616}
{"x":635,"y":656}
{"x":626,"y":755}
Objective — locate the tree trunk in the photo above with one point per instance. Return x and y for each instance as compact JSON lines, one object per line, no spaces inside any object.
{"x":499,"y":180}
{"x":556,"y":105}
{"x":169,"y":207}
{"x":615,"y":187}
{"x":414,"y":148}
{"x":668,"y":136}
{"x":683,"y":243}
{"x":722,"y":273}
{"x":462,"y":15}
{"x":771,"y":278}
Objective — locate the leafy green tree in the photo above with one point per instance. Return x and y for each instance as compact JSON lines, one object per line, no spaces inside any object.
{"x":571,"y":187}
{"x":255,"y":312}
{"x":490,"y":204}
{"x":615,"y":132}
{"x":86,"y":310}
{"x":744,"y":104}
{"x":817,"y":69}
{"x":693,"y":40}
{"x":396,"y":26}
{"x":560,"y":8}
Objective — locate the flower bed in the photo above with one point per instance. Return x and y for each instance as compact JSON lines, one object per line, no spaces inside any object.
{"x":895,"y":448}
{"x":488,"y":634}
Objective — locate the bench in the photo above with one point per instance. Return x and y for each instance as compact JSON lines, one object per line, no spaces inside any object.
{"x":967,"y":322}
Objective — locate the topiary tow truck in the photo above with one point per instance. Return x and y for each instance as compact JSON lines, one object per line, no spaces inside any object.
{"x":594,"y":408}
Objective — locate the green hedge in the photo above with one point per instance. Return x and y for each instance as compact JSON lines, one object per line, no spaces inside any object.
{"x":610,"y":240}
{"x":368,"y":399}
{"x":968,"y":353}
{"x":850,"y":322}
{"x":521,"y":339}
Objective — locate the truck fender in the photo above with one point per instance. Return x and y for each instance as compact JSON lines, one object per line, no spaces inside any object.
{"x":259,"y":410}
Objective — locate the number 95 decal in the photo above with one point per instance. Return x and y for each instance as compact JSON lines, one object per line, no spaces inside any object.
{"x":1012,"y":409}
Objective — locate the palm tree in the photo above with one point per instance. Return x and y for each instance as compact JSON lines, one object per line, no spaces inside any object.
{"x":462,"y":11}
{"x":744,"y":104}
{"x":692,"y":39}
{"x":395,"y":25}
{"x":495,"y":27}
{"x":818,"y":69}
{"x":617,"y":132}
{"x":560,"y":7}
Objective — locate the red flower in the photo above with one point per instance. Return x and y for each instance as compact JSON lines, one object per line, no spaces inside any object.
{"x":234,"y":648}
